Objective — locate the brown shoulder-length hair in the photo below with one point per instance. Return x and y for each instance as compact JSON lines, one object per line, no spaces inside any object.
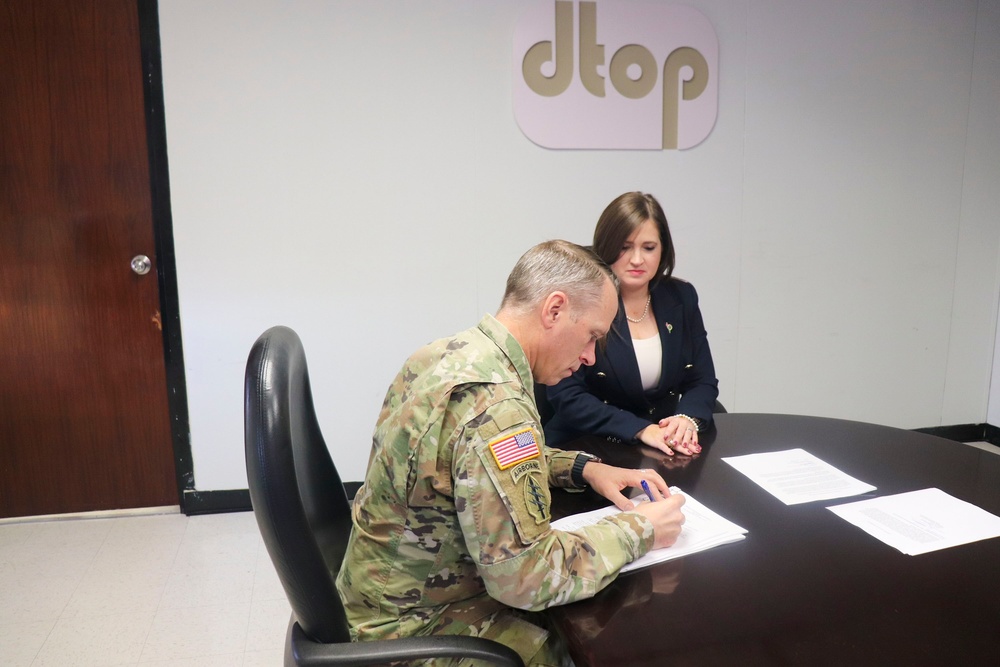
{"x":620,"y":220}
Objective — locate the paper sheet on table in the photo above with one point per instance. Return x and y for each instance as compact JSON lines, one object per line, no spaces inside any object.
{"x":795,"y":476}
{"x":919,"y":522}
{"x":702,"y":529}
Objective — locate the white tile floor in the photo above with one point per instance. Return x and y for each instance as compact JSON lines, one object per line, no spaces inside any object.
{"x":166,"y":590}
{"x":139,"y":590}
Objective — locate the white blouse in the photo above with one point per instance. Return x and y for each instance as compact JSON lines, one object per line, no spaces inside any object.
{"x":649,"y":355}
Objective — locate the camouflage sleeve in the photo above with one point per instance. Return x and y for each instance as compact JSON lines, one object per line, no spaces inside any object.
{"x":503,"y":503}
{"x":560,"y":467}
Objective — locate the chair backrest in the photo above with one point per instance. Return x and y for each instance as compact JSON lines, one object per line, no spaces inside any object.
{"x":298,"y":498}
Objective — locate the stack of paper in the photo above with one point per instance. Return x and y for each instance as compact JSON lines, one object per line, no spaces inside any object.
{"x":795,"y":476}
{"x":922,"y":521}
{"x":703,"y":529}
{"x":915,"y":523}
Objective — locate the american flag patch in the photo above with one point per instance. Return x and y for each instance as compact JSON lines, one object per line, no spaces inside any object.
{"x":515,"y":448}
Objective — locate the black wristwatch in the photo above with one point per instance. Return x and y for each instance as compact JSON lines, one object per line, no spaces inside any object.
{"x":576,"y":474}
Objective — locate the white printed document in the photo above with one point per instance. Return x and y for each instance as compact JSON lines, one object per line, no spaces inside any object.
{"x":702,"y":529}
{"x":795,"y":476}
{"x":919,"y":522}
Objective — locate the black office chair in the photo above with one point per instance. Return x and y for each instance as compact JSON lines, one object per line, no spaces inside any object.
{"x":305,"y":518}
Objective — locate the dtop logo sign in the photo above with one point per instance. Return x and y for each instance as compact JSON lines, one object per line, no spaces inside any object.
{"x":619,"y":75}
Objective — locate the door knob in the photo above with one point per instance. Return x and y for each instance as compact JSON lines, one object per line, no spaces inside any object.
{"x":141,"y":264}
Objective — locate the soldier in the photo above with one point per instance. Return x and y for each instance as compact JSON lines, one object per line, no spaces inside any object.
{"x":451,"y":528}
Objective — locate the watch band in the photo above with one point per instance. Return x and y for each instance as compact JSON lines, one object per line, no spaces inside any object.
{"x":576,"y":473}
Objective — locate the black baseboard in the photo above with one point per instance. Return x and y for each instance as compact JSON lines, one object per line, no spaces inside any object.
{"x":965,"y":433}
{"x":234,"y":500}
{"x":216,"y":502}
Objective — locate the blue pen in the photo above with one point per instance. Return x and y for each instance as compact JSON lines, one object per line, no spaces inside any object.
{"x":645,"y":488}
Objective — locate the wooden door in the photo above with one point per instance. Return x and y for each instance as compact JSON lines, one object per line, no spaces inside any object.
{"x":84,"y":421}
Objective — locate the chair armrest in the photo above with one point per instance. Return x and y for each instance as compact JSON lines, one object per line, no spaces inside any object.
{"x":308,"y":653}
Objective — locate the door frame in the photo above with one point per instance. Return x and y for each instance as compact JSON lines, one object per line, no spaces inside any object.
{"x":166,"y":265}
{"x":191,"y":500}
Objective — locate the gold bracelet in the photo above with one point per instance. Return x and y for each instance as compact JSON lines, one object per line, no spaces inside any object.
{"x":690,"y":419}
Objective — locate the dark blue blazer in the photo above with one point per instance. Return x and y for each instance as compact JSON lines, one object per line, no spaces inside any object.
{"x":607,"y":398}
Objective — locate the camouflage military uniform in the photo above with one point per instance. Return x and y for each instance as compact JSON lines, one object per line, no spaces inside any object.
{"x":451,"y":528}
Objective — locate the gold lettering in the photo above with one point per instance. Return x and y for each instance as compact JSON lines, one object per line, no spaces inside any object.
{"x":633,"y":54}
{"x":591,"y":53}
{"x":541,"y":53}
{"x":688,"y":89}
{"x":591,"y":56}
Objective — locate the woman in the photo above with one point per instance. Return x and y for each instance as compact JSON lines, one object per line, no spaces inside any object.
{"x":654,"y":381}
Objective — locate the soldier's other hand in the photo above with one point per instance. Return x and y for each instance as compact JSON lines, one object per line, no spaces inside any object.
{"x":609,"y":481}
{"x":666,"y":517}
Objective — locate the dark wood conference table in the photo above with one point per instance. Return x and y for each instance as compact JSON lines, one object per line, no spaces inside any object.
{"x":805,"y":587}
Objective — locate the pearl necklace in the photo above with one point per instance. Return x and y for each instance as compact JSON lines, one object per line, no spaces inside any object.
{"x":645,"y":311}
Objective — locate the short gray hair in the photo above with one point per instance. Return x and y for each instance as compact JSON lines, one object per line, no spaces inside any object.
{"x":557,"y":266}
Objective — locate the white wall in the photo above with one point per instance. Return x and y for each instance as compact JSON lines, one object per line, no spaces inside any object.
{"x":984,"y":125}
{"x":993,"y":414}
{"x":976,"y":290}
{"x":353,"y":169}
